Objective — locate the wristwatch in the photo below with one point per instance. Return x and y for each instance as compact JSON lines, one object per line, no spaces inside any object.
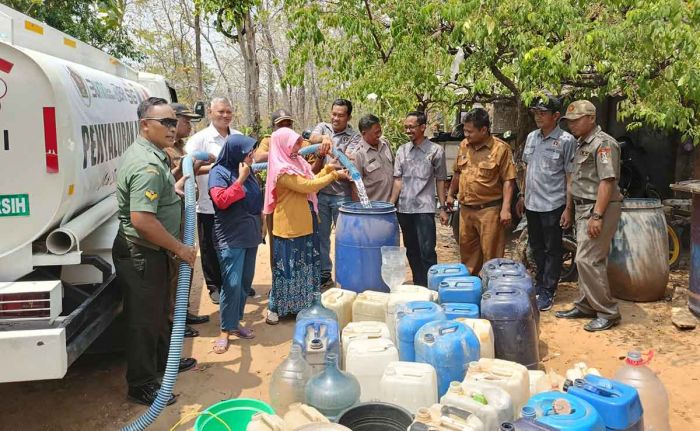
{"x":596,"y":216}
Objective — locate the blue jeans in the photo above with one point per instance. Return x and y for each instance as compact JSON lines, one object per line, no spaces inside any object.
{"x":328,"y":209}
{"x":237,"y":270}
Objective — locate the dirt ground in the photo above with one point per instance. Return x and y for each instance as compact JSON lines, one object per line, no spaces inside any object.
{"x":92,"y":396}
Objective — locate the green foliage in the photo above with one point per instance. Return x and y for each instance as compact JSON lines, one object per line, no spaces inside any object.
{"x":95,"y":22}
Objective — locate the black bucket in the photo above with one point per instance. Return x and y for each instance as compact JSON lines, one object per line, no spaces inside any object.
{"x":376,"y":417}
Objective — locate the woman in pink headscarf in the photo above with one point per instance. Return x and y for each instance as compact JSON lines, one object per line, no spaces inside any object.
{"x":290,"y":196}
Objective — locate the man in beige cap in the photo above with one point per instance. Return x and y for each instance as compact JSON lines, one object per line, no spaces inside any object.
{"x":280,"y":118}
{"x":598,"y":202}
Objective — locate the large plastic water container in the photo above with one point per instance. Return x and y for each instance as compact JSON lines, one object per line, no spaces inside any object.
{"x":300,"y":414}
{"x":652,"y":392}
{"x":265,"y":422}
{"x":525,"y":424}
{"x":617,"y":403}
{"x":289,"y":379}
{"x":363,"y":330}
{"x":316,"y":338}
{"x":441,"y":271}
{"x":460,"y":289}
{"x":565,"y":412}
{"x":411,"y":385}
{"x":464,"y":311}
{"x":507,"y":375}
{"x":370,"y":305}
{"x":411,"y":317}
{"x":489,"y":403}
{"x":340,"y":302}
{"x":446,"y":418}
{"x":545,"y":382}
{"x":500,"y":266}
{"x":523,"y":282}
{"x":448,"y":346}
{"x":511,"y":315}
{"x":332,"y":391}
{"x":400,"y":296}
{"x":316,"y":310}
{"x":484,"y":332}
{"x":367,"y":360}
{"x":360,"y":234}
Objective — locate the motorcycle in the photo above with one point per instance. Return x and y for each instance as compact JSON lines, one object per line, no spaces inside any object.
{"x":524,"y":254}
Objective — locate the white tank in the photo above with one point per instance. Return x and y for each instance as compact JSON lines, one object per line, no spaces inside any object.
{"x":411,"y":385}
{"x":340,"y":301}
{"x":447,"y":418}
{"x":300,"y":414}
{"x":265,"y":422}
{"x":367,"y":359}
{"x":489,"y":403}
{"x":370,"y":305}
{"x":484,"y":332}
{"x":360,"y":331}
{"x":399,"y":296}
{"x":509,"y":376}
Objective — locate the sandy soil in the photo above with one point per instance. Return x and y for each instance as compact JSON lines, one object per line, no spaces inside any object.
{"x":92,"y":396}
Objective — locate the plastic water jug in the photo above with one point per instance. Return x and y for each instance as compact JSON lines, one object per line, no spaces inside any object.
{"x":545,"y":382}
{"x":617,"y":403}
{"x":519,"y":281}
{"x":333,"y":390}
{"x":484,"y":332}
{"x":317,"y":337}
{"x":288,"y":381}
{"x":525,"y":424}
{"x":652,"y":392}
{"x":460,"y":289}
{"x":340,"y":302}
{"x":411,"y":317}
{"x":265,"y":422}
{"x":410,"y":385}
{"x":489,"y":403}
{"x":367,"y":360}
{"x":499,"y":266}
{"x":507,"y":375}
{"x":441,"y":271}
{"x":510,"y":312}
{"x":448,"y":346}
{"x":443,"y":418}
{"x":565,"y":412}
{"x":302,"y":414}
{"x":370,"y":305}
{"x":457,"y":310}
{"x":322,"y":427}
{"x":393,"y":266}
{"x":580,"y":370}
{"x":316,"y":310}
{"x":363,"y":330}
{"x":400,"y":296}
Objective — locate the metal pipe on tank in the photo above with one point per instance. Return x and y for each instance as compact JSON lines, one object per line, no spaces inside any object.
{"x":67,"y":237}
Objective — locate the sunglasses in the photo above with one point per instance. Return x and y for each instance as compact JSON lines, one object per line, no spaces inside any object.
{"x":169,"y":123}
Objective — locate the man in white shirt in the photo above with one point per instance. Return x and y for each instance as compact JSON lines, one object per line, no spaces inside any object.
{"x":211,"y":140}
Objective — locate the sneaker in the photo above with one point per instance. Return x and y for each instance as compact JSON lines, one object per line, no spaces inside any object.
{"x":545,"y":300}
{"x":272,"y":318}
{"x":215,"y":296}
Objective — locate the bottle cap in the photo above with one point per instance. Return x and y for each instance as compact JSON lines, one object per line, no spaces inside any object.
{"x":561,"y":407}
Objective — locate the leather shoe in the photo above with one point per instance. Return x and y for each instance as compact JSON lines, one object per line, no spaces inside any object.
{"x":146,"y":394}
{"x":574,"y":313}
{"x":186,"y":364}
{"x":600,"y":324}
{"x":251,"y":293}
{"x":193,"y":319}
{"x":190,"y":332}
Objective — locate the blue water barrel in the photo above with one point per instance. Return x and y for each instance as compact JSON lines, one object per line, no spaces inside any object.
{"x":521,"y":281}
{"x":454,"y":310}
{"x":617,"y":403}
{"x":514,"y":328}
{"x":409,"y":319}
{"x":460,"y":289}
{"x":360,"y":234}
{"x":448,"y":346}
{"x":578,"y":415}
{"x":441,"y":271}
{"x":500,"y":266}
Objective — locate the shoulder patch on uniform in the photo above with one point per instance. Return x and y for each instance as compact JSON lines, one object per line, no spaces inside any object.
{"x":151,"y":195}
{"x":604,"y":153}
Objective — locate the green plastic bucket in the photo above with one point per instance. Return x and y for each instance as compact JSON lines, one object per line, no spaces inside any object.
{"x":236,"y":413}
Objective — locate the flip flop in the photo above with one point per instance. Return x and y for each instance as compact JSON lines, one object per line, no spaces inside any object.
{"x":220,"y":345}
{"x":243,"y":333}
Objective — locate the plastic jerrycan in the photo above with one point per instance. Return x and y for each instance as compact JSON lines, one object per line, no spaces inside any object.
{"x":340,"y":302}
{"x":441,"y":271}
{"x":525,"y":424}
{"x":400,"y":296}
{"x":484,"y":332}
{"x":445,"y":418}
{"x":367,"y":360}
{"x":455,"y":310}
{"x":410,"y":318}
{"x":410,"y":385}
{"x":266,"y":422}
{"x":370,"y":305}
{"x":564,"y":412}
{"x":617,"y":403}
{"x":509,"y":376}
{"x":489,"y":403}
{"x":300,"y":414}
{"x":580,"y":370}
{"x":545,"y":382}
{"x":317,"y":336}
{"x":460,"y":290}
{"x":498,"y":267}
{"x":362,"y":330}
{"x":652,"y":392}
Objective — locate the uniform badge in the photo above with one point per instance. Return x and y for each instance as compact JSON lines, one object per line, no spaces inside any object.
{"x":151,"y":195}
{"x":555,"y":143}
{"x":604,"y":154}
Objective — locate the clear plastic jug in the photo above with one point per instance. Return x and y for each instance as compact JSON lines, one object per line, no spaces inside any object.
{"x":289,"y":379}
{"x":316,"y":310}
{"x":333,"y":390}
{"x":651,"y":389}
{"x":393,"y":266}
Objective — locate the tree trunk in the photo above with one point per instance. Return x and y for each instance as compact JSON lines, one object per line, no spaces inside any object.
{"x":286,"y":94}
{"x":246,"y":41}
{"x":271,"y":102}
{"x":198,"y":52}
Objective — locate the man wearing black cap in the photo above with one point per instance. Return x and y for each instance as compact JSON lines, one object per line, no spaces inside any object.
{"x":548,"y":156}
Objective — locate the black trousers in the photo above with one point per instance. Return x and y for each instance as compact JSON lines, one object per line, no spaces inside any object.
{"x":143,"y":275}
{"x":544,"y":238}
{"x":419,"y":239}
{"x":210,"y":262}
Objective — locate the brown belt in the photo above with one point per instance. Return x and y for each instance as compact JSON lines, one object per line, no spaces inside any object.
{"x":583,"y":201}
{"x":495,"y":203}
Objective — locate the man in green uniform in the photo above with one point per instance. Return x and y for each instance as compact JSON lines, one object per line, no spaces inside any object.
{"x":146,"y":247}
{"x":596,"y":196}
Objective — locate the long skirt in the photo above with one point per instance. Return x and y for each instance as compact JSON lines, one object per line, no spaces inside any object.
{"x":296,"y":272}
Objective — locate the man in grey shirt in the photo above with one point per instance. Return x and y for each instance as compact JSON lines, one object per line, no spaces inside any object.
{"x":419,"y":169}
{"x":374,"y":160}
{"x":341,"y":136}
{"x":548,"y":155}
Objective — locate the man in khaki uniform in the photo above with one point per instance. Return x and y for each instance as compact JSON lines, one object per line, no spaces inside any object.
{"x":598,"y":203}
{"x":374,"y":161}
{"x":484,"y":176}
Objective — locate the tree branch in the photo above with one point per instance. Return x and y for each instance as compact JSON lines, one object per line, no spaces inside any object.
{"x":385,"y":57}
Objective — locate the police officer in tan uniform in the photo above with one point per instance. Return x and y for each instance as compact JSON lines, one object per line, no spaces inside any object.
{"x":484,"y":177}
{"x":597,"y":199}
